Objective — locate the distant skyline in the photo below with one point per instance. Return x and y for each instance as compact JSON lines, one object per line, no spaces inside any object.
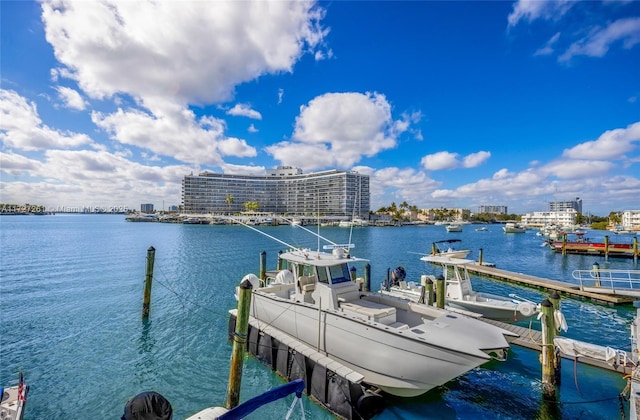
{"x":444,"y":104}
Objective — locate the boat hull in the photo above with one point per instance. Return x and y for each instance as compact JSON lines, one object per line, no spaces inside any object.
{"x":374,"y":349}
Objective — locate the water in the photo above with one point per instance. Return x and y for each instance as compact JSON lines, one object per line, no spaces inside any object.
{"x":71,"y":295}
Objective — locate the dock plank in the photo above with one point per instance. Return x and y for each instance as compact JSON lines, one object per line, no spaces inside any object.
{"x":567,"y":289}
{"x":532,"y":339}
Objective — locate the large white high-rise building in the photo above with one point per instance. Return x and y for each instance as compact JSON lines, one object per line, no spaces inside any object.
{"x":284,"y":190}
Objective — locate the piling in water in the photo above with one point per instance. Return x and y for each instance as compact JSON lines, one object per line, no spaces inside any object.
{"x":239,"y":345}
{"x":547,"y":356}
{"x":263,"y":266}
{"x":554,"y":298}
{"x":480,"y":257}
{"x":146,"y":295}
{"x":367,"y":277}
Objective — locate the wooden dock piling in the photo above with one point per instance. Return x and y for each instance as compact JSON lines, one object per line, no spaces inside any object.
{"x":367,"y":277}
{"x":440,"y":292}
{"x":239,"y":345}
{"x":146,"y":295}
{"x":263,"y":266}
{"x":548,"y":351}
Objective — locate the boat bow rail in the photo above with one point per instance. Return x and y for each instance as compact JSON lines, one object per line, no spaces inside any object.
{"x":610,"y":281}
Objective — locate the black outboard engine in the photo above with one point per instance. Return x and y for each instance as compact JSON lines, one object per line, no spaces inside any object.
{"x":397,"y":275}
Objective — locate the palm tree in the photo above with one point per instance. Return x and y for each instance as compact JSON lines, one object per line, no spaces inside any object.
{"x":229,"y":201}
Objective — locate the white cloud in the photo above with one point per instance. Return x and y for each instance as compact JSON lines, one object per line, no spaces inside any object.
{"x":244,"y":110}
{"x":439,"y":161}
{"x":531,"y":10}
{"x":252,"y":129}
{"x":337,"y":129}
{"x":146,"y":48}
{"x":548,"y":49}
{"x":21,"y":127}
{"x":177,"y":134}
{"x":475,"y":159}
{"x":599,"y":40}
{"x":71,"y":98}
{"x":612,"y":144}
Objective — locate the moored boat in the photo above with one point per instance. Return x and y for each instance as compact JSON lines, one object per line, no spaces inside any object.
{"x":401,"y":347}
{"x":460,"y":294}
{"x":13,"y":400}
{"x":513,"y":227}
{"x":447,"y":248}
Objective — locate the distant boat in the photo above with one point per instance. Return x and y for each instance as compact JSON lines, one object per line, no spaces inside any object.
{"x":513,"y":227}
{"x":446,"y":248}
{"x":454,"y":227}
{"x":481,"y":229}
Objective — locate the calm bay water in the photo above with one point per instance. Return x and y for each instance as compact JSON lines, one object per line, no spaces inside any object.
{"x":71,"y":294}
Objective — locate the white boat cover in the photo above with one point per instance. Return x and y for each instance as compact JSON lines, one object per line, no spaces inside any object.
{"x":575,"y":348}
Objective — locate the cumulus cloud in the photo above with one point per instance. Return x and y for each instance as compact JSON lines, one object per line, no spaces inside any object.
{"x":447,"y":160}
{"x":475,"y":159}
{"x":549,"y":48}
{"x":21,"y":127}
{"x":143,"y":54}
{"x":71,"y":98}
{"x":337,"y":129}
{"x":244,"y":110}
{"x":178,"y":134}
{"x":612,"y":144}
{"x":146,"y":48}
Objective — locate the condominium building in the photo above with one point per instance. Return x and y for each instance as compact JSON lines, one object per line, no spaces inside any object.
{"x":559,"y":206}
{"x":492,"y":209}
{"x":284,"y":190}
{"x":631,"y":220}
{"x":543,"y":218}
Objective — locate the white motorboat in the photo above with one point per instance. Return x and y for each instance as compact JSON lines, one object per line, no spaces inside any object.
{"x":453,"y":227}
{"x":401,"y":347}
{"x":512,"y":227}
{"x":447,"y":248}
{"x":460,"y":294}
{"x":13,"y":400}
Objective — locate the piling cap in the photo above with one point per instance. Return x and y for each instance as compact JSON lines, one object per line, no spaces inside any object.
{"x":546,"y":303}
{"x":554,"y":295}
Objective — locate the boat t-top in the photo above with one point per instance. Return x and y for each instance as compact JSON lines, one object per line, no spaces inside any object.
{"x":401,"y":347}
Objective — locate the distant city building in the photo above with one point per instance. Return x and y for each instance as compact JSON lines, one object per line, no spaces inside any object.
{"x":146,"y":208}
{"x":281,"y":190}
{"x":492,"y":209}
{"x":173,"y":208}
{"x":545,"y":218}
{"x":566,"y":205}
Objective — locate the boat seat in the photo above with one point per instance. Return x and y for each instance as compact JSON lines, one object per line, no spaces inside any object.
{"x":371,"y":310}
{"x":307,"y":283}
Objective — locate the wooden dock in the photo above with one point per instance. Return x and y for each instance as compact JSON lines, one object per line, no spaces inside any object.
{"x":532,"y":340}
{"x":566,"y":289}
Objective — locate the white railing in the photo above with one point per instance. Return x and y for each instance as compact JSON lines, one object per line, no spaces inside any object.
{"x":612,"y":281}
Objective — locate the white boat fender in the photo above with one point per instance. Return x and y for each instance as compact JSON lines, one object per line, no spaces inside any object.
{"x":253,"y":279}
{"x":527,"y":309}
{"x":560,"y":321}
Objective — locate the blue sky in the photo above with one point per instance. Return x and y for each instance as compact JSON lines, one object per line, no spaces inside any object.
{"x":444,"y":104}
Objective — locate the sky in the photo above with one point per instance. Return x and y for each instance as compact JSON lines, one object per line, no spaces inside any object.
{"x":443,"y":104}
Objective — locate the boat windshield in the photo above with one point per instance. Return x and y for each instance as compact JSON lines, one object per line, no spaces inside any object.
{"x":339,"y":273}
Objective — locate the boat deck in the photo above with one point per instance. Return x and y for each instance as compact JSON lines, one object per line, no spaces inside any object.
{"x":564,"y":288}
